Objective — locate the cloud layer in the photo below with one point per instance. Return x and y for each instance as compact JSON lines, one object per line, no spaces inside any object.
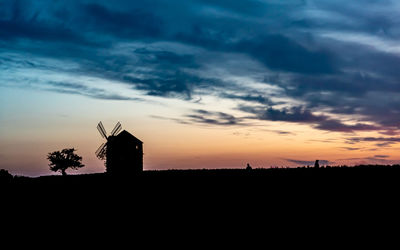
{"x":332,"y":65}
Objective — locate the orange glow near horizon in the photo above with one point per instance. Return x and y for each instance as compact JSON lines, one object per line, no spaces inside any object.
{"x":172,"y":145}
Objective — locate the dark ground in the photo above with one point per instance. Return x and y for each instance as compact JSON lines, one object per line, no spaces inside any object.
{"x":263,"y":199}
{"x":231,"y":181}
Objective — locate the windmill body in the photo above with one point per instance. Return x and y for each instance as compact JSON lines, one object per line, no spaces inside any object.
{"x":123,"y":152}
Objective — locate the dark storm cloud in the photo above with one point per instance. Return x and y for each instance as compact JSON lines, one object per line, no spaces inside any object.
{"x":275,"y":51}
{"x":134,"y":23}
{"x":298,"y":46}
{"x":166,"y":59}
{"x":278,"y":52}
{"x":252,"y":7}
{"x":20,"y":23}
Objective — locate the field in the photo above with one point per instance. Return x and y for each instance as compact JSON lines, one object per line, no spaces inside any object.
{"x":294,"y":193}
{"x":286,"y":178}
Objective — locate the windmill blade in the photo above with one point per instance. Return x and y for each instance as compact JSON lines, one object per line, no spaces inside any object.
{"x":101,"y":151}
{"x":102,"y":130}
{"x":100,"y":148}
{"x":116,"y":129}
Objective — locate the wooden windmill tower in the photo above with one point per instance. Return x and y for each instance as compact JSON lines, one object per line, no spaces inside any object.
{"x":122,"y":151}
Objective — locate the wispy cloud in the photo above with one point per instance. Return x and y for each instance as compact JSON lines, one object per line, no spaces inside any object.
{"x":308,"y":163}
{"x":80,"y":89}
{"x":302,"y":115}
{"x":380,"y":141}
{"x":350,"y":148}
{"x":202,"y":116}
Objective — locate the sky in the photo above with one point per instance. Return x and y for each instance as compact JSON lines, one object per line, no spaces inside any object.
{"x":203,"y":83}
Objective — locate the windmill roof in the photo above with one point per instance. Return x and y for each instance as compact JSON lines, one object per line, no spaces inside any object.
{"x":126,"y":134}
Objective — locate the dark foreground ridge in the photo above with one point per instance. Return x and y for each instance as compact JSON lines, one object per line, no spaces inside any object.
{"x":177,"y":191}
{"x":302,"y":177}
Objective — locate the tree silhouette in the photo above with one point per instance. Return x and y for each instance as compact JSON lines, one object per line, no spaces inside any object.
{"x":61,"y":161}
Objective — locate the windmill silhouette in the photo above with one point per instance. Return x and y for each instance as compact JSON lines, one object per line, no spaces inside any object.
{"x":122,"y":151}
{"x":101,"y":151}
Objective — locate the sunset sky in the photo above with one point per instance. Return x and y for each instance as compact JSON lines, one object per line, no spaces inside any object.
{"x":203,"y":83}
